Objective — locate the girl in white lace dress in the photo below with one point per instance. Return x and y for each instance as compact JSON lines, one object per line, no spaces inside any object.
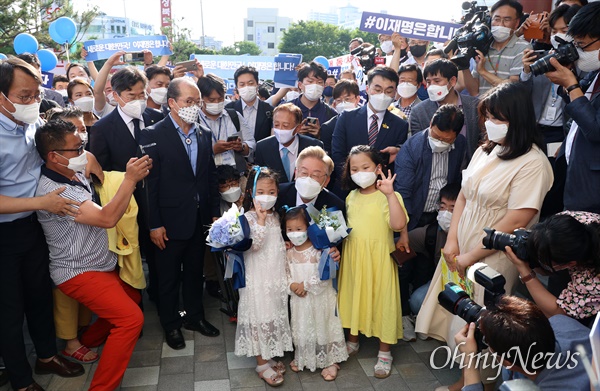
{"x":316,"y":329}
{"x":263,"y":330}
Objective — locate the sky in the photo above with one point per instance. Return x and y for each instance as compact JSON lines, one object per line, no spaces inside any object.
{"x":224,"y":19}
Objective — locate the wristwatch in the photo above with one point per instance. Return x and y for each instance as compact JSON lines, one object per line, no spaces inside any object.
{"x":528,"y":277}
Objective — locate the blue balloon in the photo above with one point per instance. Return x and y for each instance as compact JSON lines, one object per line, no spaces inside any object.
{"x":323,"y":61}
{"x":47,"y":59}
{"x":3,"y":56}
{"x":56,"y":37}
{"x":25,"y":43}
{"x":65,"y":28}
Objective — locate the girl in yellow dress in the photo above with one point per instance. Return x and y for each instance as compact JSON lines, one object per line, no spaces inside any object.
{"x":369,"y":292}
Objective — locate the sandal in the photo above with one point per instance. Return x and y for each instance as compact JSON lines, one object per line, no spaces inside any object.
{"x":351,"y":350}
{"x":277,"y":366}
{"x":294,"y":366}
{"x":78,"y":356}
{"x":271,"y":377}
{"x":330,"y":373}
{"x":383,"y":368}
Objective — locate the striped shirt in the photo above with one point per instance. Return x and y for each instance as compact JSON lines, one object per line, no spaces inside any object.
{"x":503,"y":63}
{"x":74,"y":248}
{"x":439,"y":179}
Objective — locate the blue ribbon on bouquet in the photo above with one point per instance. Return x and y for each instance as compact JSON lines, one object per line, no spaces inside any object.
{"x":235,"y":267}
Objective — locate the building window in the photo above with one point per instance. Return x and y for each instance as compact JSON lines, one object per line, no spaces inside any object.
{"x":250,"y":23}
{"x":271,"y":45}
{"x":282,"y":29}
{"x":271,"y":29}
{"x":250,"y":37}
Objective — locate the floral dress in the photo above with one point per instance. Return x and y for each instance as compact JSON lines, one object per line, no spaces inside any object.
{"x":316,"y":328}
{"x":263,"y":327}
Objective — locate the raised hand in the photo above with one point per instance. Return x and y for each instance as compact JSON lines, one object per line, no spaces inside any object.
{"x":385,"y":185}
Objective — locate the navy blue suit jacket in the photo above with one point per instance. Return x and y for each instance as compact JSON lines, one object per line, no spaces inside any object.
{"x":351,"y":130}
{"x":413,"y":172}
{"x":264,"y":118}
{"x":177,"y":196}
{"x":267,"y":153}
{"x":327,"y":133}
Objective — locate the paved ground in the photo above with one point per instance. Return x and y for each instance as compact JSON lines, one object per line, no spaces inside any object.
{"x":208,"y":364}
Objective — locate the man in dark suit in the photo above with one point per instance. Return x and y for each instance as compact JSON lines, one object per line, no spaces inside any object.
{"x":346,"y":96}
{"x":183,"y":197}
{"x":313,"y":172}
{"x":442,"y":76}
{"x":281,"y":150}
{"x":258,"y":114}
{"x":371,"y":124}
{"x":583,"y":141}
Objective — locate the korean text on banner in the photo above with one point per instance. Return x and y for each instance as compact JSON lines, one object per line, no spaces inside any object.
{"x":47,"y":79}
{"x":285,"y":69}
{"x":101,"y":49}
{"x":408,"y":27}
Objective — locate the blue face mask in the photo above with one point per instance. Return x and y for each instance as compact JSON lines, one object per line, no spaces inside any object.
{"x":328,"y":91}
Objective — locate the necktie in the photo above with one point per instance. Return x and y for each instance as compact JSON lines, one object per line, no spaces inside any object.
{"x":286,"y":162}
{"x":136,"y":130}
{"x":373,"y":130}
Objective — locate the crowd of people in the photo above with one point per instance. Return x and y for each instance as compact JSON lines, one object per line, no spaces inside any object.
{"x":117,"y":167}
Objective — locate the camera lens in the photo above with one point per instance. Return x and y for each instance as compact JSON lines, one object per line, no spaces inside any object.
{"x":542,"y":65}
{"x":495,"y":240}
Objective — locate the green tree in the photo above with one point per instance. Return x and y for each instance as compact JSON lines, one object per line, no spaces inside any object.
{"x":25,"y":16}
{"x":312,"y":39}
{"x":366,"y":37}
{"x":242,"y":47}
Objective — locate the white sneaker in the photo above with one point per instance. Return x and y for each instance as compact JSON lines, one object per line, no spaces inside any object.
{"x":408,"y":329}
{"x":423,"y":337}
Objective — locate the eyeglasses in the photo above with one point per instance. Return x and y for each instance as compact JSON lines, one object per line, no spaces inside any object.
{"x":315,"y":175}
{"x":78,"y":150}
{"x":27,"y":99}
{"x":585,"y":46}
{"x":348,"y":100}
{"x":503,"y":20}
{"x":228,"y":185}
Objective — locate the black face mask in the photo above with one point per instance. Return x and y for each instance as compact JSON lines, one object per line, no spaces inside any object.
{"x":418,"y":50}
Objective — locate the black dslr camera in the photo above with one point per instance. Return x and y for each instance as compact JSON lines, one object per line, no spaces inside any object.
{"x":474,"y":35}
{"x":565,"y":53}
{"x":517,"y":241}
{"x":458,"y":302}
{"x":366,"y":54}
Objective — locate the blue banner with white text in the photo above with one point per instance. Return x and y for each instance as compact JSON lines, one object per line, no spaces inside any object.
{"x":427,"y":30}
{"x":285,"y":69}
{"x":101,"y":49}
{"x":267,"y":66}
{"x":47,"y":79}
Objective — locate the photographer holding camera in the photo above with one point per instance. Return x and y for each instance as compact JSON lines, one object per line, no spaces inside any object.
{"x":536,"y":348}
{"x":566,"y":241}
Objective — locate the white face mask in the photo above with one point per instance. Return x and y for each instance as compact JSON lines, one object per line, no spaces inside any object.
{"x":64,"y":93}
{"x":496,"y":132}
{"x":188,"y":114}
{"x":85,"y":103}
{"x":380,"y":102}
{"x":298,"y":238}
{"x":564,"y":36}
{"x":364,"y":179}
{"x":438,"y":146}
{"x":28,"y":114}
{"x":588,"y":61}
{"x":266,"y":201}
{"x":437,"y":93}
{"x":232,"y":195}
{"x":214,"y":108}
{"x":248,"y":93}
{"x":76,"y":164}
{"x":291,"y":95}
{"x":501,"y":33}
{"x":159,"y":95}
{"x":111,"y":100}
{"x":134,"y":108}
{"x":444,"y":218}
{"x":307,"y":187}
{"x":283,"y":136}
{"x":407,"y":90}
{"x":387,"y":46}
{"x":84,"y":137}
{"x":313,"y":92}
{"x":344,"y":106}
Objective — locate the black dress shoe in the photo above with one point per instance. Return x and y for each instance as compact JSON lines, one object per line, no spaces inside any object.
{"x":59,"y":366}
{"x":203,"y":327}
{"x":175,"y":339}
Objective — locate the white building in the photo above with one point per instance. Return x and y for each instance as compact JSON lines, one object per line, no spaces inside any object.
{"x":105,"y":27}
{"x":209,"y":43}
{"x":349,"y":17}
{"x":325,"y":17}
{"x":265,"y":27}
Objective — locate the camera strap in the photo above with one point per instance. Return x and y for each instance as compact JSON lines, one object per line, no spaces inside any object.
{"x":497,"y":60}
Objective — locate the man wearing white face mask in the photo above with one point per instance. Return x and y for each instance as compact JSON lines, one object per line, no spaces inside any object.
{"x":372,"y":124}
{"x":346,"y":95}
{"x":159,"y":78}
{"x":411,"y":78}
{"x":232,"y":139}
{"x":441,"y":77}
{"x":280,"y":151}
{"x":582,"y":144}
{"x":503,"y":60}
{"x":258,"y":114}
{"x":311,"y":81}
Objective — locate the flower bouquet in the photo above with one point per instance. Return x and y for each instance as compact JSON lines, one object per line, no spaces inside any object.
{"x":231,"y":234}
{"x":327,"y":229}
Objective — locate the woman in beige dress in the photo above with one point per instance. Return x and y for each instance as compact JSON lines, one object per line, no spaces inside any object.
{"x":503,"y":187}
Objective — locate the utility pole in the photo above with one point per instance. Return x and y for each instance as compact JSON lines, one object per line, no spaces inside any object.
{"x":202,"y":20}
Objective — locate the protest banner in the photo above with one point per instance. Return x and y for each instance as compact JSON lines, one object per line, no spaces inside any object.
{"x":47,"y":78}
{"x":267,"y":66}
{"x":408,"y":27}
{"x":334,"y":71}
{"x":285,"y":69}
{"x":101,"y":49}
